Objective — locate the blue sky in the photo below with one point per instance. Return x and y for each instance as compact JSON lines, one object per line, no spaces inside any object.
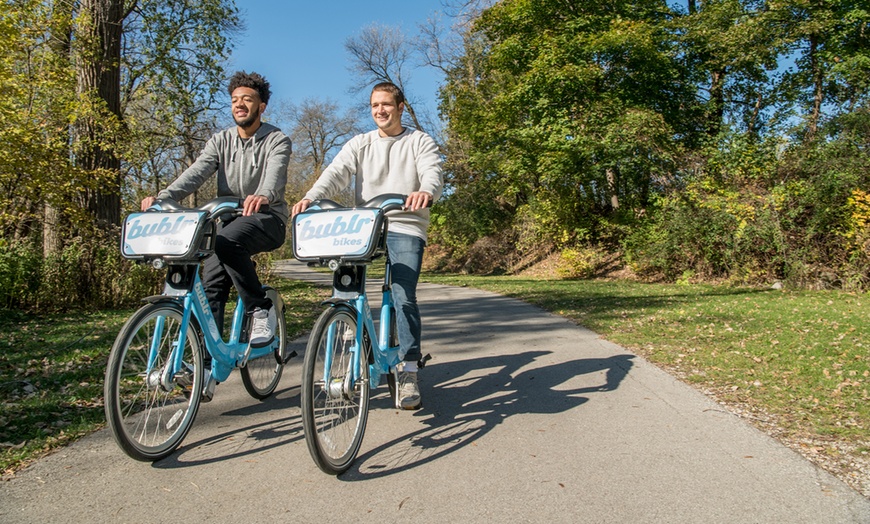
{"x":299,"y":45}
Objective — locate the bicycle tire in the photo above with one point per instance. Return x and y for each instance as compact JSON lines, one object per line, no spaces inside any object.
{"x":148,"y":419}
{"x":334,"y":415}
{"x":261,"y":375}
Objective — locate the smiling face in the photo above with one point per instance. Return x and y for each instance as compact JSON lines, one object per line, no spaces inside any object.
{"x":386,"y":113}
{"x":247,"y":108}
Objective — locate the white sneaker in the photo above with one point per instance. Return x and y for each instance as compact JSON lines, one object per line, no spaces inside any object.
{"x":262,"y":327}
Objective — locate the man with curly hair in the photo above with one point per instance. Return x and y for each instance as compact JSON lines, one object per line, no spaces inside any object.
{"x":250,"y":160}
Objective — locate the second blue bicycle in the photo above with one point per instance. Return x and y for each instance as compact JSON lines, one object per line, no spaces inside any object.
{"x":346,"y":356}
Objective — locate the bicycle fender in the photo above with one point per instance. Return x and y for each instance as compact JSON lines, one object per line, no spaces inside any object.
{"x":153,"y":299}
{"x":333,"y":302}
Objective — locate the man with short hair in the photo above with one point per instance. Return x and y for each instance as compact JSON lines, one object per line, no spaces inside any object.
{"x":392,"y":159}
{"x":250,"y":161}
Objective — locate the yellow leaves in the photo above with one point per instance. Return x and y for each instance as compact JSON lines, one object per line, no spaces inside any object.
{"x":857,"y":227}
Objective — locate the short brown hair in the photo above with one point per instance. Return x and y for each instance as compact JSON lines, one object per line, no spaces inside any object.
{"x":391,"y":88}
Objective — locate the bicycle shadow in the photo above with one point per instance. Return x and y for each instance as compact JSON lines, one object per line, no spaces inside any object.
{"x":470,"y":398}
{"x":237,"y":442}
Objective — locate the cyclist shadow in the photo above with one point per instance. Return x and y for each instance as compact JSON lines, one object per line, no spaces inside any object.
{"x":472,"y":397}
{"x":237,"y":442}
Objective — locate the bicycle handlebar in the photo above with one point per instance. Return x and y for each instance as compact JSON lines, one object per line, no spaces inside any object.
{"x":216,"y":207}
{"x":387,"y":202}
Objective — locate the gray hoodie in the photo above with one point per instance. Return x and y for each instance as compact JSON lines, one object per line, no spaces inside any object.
{"x":256,"y":166}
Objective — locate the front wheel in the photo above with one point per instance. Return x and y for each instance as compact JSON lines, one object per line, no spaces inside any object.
{"x":335,"y":390}
{"x":151,"y":401}
{"x":261,"y":375}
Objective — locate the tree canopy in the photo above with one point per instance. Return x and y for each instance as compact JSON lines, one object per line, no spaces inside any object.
{"x":607,"y":122}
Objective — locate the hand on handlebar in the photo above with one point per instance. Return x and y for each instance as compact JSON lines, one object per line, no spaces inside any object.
{"x":147,"y":202}
{"x":417,"y":200}
{"x":253,"y":203}
{"x":300,"y":206}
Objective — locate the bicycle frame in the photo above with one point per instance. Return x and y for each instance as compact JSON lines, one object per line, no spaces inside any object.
{"x":384,"y":357}
{"x":156,"y":378}
{"x":344,"y":350}
{"x":226,"y":355}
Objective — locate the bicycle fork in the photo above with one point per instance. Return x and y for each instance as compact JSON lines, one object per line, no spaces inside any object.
{"x":166,"y":377}
{"x":341,"y":387}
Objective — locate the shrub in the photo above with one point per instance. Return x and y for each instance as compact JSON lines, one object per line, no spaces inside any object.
{"x":579,"y":263}
{"x":84,"y":274}
{"x":20,"y":266}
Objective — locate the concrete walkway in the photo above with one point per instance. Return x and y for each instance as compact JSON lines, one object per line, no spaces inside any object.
{"x":527,"y":418}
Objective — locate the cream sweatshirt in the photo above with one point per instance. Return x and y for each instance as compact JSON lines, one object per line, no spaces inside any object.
{"x":376,"y":165}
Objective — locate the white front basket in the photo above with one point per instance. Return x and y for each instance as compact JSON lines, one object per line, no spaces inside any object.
{"x":160,"y":233}
{"x":348,"y":234}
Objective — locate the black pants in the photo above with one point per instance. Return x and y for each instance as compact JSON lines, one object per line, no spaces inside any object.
{"x":236,"y":242}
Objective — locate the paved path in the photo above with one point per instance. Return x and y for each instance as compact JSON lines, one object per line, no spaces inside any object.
{"x":527,"y":418}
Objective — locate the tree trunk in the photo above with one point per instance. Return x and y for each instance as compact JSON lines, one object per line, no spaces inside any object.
{"x":61,"y":39}
{"x":51,"y":237}
{"x":98,"y":77}
{"x":413,"y":115}
{"x":611,"y":186}
{"x":818,"y":93}
{"x":717,"y":102}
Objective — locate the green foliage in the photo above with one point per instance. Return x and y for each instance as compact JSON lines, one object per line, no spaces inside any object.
{"x":37,"y":108}
{"x":56,"y":143}
{"x":19,"y":262}
{"x":669,"y":131}
{"x":568,"y":116}
{"x":801,"y":222}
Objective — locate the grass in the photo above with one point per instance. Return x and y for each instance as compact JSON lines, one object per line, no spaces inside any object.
{"x":52,"y":368}
{"x":795,"y":362}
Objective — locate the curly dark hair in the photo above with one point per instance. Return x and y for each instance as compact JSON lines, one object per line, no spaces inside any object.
{"x":254,"y":81}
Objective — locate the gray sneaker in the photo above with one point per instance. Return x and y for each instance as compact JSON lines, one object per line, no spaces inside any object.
{"x":409,"y":391}
{"x":262,"y":327}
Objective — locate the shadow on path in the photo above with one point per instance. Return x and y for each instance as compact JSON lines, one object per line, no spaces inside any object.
{"x":252,"y":439}
{"x":471,"y":397}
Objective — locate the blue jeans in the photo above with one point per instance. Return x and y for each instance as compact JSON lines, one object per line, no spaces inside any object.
{"x":406,"y":255}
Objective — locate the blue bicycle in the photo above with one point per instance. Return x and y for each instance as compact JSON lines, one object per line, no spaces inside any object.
{"x":345,"y":357}
{"x":156,"y":376}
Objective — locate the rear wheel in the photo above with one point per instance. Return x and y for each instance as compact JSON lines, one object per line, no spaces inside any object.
{"x":150,"y":405}
{"x":261,"y":375}
{"x":334,"y":404}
